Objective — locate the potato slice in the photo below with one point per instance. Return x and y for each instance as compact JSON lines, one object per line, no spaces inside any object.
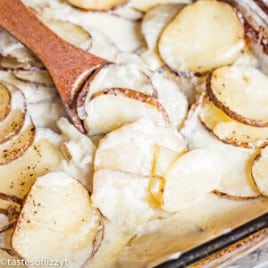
{"x":116,"y":76}
{"x":138,"y":141}
{"x":14,"y":121}
{"x":259,"y":171}
{"x":191,"y":177}
{"x":5,"y":101}
{"x":127,"y":192}
{"x":10,"y":63}
{"x":8,"y":256}
{"x":18,"y":176}
{"x":18,"y":145}
{"x":12,"y":125}
{"x":37,"y":77}
{"x":50,"y":218}
{"x":203,"y":36}
{"x":231,"y":131}
{"x":155,"y":20}
{"x":145,"y":5}
{"x":240,"y":91}
{"x":114,"y":107}
{"x":72,"y":33}
{"x":236,"y":178}
{"x":95,"y":4}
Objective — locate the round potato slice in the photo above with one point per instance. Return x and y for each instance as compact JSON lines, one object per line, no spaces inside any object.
{"x":229,"y":130}
{"x":96,"y":4}
{"x":114,"y":107}
{"x":260,"y":170}
{"x":18,"y":176}
{"x":18,"y":145}
{"x":191,"y":177}
{"x":5,"y":101}
{"x":241,"y":92}
{"x":203,"y":36}
{"x":58,"y":217}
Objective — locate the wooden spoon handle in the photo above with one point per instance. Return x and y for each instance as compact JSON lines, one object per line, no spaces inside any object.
{"x":65,"y":62}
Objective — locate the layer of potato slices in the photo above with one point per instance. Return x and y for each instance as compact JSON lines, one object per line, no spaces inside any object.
{"x":55,"y":205}
{"x":236,"y":181}
{"x":134,"y":148}
{"x":203,"y":36}
{"x":124,"y":93}
{"x":259,"y":171}
{"x":145,"y":5}
{"x":190,"y":178}
{"x":241,"y":92}
{"x":229,"y":130}
{"x":96,"y":4}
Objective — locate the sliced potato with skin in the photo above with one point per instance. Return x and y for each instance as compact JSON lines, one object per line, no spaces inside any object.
{"x":112,"y":108}
{"x":236,"y":166}
{"x":18,"y":176}
{"x":45,"y":220}
{"x":115,"y":76}
{"x":230,"y":131}
{"x":259,"y":171}
{"x":191,"y":177}
{"x":12,"y":64}
{"x":96,"y":4}
{"x":145,"y":5}
{"x":241,"y":92}
{"x":137,"y":141}
{"x":5,"y":101}
{"x":203,"y":36}
{"x":11,"y":125}
{"x":15,"y":120}
{"x":19,"y":144}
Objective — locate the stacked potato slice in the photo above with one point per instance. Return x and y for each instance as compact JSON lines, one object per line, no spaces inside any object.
{"x":120,"y":93}
{"x":236,"y":106}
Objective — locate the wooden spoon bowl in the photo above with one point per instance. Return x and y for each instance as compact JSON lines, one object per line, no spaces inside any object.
{"x":68,"y":66}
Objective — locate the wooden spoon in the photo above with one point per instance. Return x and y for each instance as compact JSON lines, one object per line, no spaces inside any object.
{"x":68,"y":66}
